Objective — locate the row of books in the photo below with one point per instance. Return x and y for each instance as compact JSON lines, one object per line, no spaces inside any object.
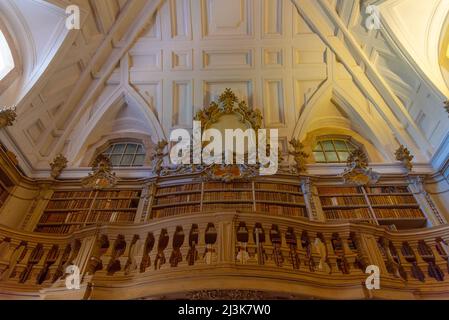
{"x":392,"y":200}
{"x":53,"y":218}
{"x":57,"y":229}
{"x":290,"y":211}
{"x":112,"y":216}
{"x":245,"y":207}
{"x":98,"y":204}
{"x":179,"y":188}
{"x":117,"y":204}
{"x":388,"y":189}
{"x":281,"y":197}
{"x":396,"y":213}
{"x":343,"y":201}
{"x":73,"y":194}
{"x":347,"y":214}
{"x":323,"y":190}
{"x":109,"y":194}
{"x":174,"y":211}
{"x":69,"y":204}
{"x":226,"y":196}
{"x":174,"y":198}
{"x":277,"y":187}
{"x":227,"y":186}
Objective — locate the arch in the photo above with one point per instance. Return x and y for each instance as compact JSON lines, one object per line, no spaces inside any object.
{"x":102,"y":117}
{"x":351,"y":116}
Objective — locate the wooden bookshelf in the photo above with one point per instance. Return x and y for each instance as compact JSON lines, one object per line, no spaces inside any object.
{"x":383,"y":205}
{"x":69,"y":210}
{"x":3,"y":195}
{"x":276,"y":198}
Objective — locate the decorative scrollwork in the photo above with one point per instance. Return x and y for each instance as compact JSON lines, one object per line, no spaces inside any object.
{"x":403,"y":154}
{"x":7,"y":117}
{"x":158,"y":157}
{"x":299,"y":155}
{"x":228,"y":103}
{"x":102,"y":177}
{"x":59,"y":163}
{"x":357,"y":171}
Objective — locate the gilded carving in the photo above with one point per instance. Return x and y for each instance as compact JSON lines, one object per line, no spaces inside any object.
{"x":7,"y":117}
{"x":299,"y":155}
{"x":228,"y":103}
{"x":59,"y":163}
{"x":157,"y":158}
{"x":357,"y":171}
{"x":403,"y":154}
{"x":102,"y":177}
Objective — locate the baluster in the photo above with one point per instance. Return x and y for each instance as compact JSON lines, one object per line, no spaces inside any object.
{"x":322,"y":250}
{"x":276,"y":240}
{"x":210,"y":238}
{"x":339,"y":250}
{"x":242,"y":255}
{"x":192,"y":254}
{"x":427,"y":255}
{"x":33,"y":260}
{"x":148,"y":247}
{"x":307,"y":246}
{"x":259,"y":239}
{"x":95,"y":261}
{"x":410,"y":257}
{"x":178,"y":240}
{"x":292,"y":242}
{"x":134,"y":249}
{"x":161,"y":246}
{"x":51,"y":258}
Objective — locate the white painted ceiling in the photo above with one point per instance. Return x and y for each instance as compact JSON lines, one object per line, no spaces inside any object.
{"x":141,"y":68}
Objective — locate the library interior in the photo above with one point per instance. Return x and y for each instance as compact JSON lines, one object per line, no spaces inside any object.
{"x":357,"y":90}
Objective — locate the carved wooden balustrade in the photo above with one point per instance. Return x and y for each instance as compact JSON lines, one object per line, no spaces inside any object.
{"x":180,"y":255}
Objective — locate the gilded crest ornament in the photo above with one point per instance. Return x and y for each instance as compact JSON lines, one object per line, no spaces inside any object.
{"x":403,"y":154}
{"x":102,"y":177}
{"x":7,"y":117}
{"x":158,"y":157}
{"x":228,"y":103}
{"x":59,"y":163}
{"x":357,"y":171}
{"x":230,"y":172}
{"x":298,"y":155}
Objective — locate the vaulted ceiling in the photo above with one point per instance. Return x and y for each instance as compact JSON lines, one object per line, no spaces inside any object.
{"x":140,"y":68}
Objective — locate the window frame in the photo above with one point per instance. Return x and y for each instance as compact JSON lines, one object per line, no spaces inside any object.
{"x":349,"y":141}
{"x":110,"y":148}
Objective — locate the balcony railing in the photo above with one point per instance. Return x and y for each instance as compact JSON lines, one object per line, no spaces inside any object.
{"x":227,"y":250}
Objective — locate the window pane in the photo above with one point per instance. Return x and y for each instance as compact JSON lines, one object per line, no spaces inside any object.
{"x":340,"y":145}
{"x":131,"y":149}
{"x":140,"y":149}
{"x":327,"y":145}
{"x":127,"y":160}
{"x":138,"y":161}
{"x":119,"y":148}
{"x":115,"y":159}
{"x":351,"y":147}
{"x":319,"y":157}
{"x":318,"y":147}
{"x":343,"y":156}
{"x":331,"y":157}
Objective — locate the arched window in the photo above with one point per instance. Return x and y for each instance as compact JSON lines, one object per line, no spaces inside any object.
{"x":126,"y":154}
{"x":6,"y":58}
{"x":333,"y":150}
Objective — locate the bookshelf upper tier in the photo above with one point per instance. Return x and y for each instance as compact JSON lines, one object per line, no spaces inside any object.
{"x":69,"y":210}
